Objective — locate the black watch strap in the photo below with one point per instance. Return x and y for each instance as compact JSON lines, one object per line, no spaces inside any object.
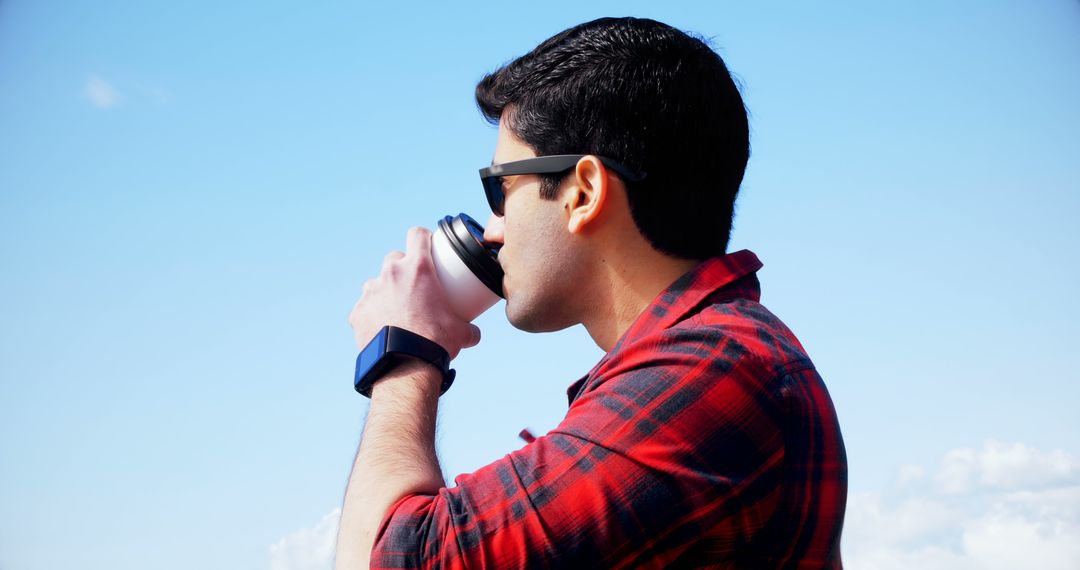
{"x":388,"y":349}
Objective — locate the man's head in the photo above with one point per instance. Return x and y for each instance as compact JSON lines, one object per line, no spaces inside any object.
{"x":638,"y":92}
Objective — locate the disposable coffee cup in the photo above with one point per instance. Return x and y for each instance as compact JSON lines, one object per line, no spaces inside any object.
{"x":468,"y":268}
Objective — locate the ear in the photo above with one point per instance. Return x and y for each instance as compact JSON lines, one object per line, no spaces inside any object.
{"x":587,"y":195}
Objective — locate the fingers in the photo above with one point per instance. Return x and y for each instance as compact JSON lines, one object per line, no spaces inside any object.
{"x":418,"y":242}
{"x":408,"y":294}
{"x":390,"y":259}
{"x":475,"y":339}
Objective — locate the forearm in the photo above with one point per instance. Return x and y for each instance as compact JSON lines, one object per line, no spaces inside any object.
{"x":396,"y":457}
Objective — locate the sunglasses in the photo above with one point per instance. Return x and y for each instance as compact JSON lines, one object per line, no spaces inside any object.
{"x":492,"y":176}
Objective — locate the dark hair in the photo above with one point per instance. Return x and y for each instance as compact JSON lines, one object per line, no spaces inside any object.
{"x":649,"y":96}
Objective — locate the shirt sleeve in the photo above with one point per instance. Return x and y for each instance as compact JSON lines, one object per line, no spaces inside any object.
{"x":678,"y":438}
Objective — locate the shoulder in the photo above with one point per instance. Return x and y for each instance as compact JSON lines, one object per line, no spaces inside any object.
{"x":706,"y":387}
{"x":760,"y":334}
{"x":739,"y":336}
{"x":725,"y":353}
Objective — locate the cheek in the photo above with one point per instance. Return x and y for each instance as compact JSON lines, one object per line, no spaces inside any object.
{"x":533,"y":235}
{"x":516,"y":228}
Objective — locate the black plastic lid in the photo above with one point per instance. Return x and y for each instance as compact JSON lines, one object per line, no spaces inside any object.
{"x":467,"y":238}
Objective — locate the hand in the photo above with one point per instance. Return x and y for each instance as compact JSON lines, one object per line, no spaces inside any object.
{"x":408,"y":294}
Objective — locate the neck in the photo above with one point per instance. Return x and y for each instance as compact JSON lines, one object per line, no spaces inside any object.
{"x":624,"y":284}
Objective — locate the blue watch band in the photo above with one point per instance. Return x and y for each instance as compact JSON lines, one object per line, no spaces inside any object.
{"x":387,"y":349}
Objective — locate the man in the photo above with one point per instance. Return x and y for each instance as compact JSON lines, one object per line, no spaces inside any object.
{"x":704,"y":437}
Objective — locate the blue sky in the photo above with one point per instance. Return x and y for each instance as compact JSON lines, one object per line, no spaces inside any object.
{"x":191,"y":195}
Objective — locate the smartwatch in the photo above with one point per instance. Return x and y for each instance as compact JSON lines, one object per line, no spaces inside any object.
{"x":390,"y":347}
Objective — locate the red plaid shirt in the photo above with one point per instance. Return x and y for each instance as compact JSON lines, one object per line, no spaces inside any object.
{"x":704,"y":438}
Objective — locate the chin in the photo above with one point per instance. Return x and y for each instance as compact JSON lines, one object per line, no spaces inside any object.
{"x":534,"y":319}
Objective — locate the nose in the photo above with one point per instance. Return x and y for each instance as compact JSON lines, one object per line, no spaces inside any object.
{"x":493,"y":231}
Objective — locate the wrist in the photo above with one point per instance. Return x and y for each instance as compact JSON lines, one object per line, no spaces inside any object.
{"x":410,"y":375}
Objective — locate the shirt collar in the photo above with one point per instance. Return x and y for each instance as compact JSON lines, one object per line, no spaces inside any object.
{"x":710,"y":280}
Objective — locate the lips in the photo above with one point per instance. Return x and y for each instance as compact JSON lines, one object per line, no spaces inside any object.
{"x":505,"y":280}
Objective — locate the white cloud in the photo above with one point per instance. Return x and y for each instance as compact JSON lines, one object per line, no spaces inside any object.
{"x":101,"y":93}
{"x":911,"y":473}
{"x":308,"y":548}
{"x":1004,"y":506}
{"x":1005,"y":466}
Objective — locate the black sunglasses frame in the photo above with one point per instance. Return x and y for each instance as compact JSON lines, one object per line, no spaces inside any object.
{"x":491,"y":176}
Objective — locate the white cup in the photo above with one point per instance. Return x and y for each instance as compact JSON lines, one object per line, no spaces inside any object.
{"x":467,"y":268}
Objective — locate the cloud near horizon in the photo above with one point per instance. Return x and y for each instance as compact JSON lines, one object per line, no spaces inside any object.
{"x":1004,"y":506}
{"x":308,"y":548}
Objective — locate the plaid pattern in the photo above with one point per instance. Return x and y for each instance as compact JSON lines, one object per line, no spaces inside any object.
{"x":704,"y":438}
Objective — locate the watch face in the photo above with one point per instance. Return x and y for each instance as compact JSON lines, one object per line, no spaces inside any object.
{"x":371,"y":353}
